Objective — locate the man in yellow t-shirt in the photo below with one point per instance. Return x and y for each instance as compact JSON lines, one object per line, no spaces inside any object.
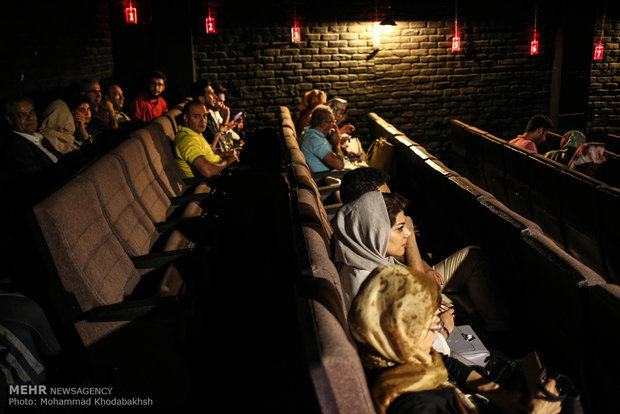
{"x":193,"y":153}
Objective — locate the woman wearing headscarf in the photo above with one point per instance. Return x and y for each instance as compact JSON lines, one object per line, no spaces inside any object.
{"x":393,"y":320}
{"x":58,"y":127}
{"x":588,"y":158}
{"x":311,"y":100}
{"x":372,"y":231}
{"x":570,"y":142}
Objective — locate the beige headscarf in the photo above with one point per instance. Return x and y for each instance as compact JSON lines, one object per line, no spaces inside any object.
{"x":388,"y":319}
{"x":58,"y":126}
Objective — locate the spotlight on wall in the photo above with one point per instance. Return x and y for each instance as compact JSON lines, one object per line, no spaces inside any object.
{"x":388,"y":20}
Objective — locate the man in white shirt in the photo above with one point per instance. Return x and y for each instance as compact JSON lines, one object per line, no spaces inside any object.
{"x":27,"y":151}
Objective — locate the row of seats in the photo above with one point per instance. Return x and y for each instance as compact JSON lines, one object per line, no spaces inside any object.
{"x":552,"y":296}
{"x":573,"y":209}
{"x":121,"y":243}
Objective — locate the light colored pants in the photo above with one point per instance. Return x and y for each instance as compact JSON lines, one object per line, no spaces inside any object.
{"x":467,"y":271}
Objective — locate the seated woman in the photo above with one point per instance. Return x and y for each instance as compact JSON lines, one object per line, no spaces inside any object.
{"x":394,"y":321}
{"x":570,"y":142}
{"x":588,"y":158}
{"x":58,"y":127}
{"x":372,"y":231}
{"x":311,"y":100}
{"x":340,"y":108}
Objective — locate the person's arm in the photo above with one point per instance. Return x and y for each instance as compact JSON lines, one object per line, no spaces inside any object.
{"x":209,"y":169}
{"x":109,"y":108}
{"x":334,"y":159}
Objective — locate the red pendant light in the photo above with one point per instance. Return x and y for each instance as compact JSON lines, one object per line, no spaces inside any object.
{"x":456,"y":40}
{"x":295,"y":33}
{"x":534,"y":43}
{"x":599,"y":50}
{"x":210,"y":23}
{"x":131,"y":14}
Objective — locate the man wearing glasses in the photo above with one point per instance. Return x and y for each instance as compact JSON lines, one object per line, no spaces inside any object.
{"x":149,"y":104}
{"x":320,"y":142}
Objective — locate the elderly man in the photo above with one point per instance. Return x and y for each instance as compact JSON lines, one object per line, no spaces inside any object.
{"x":26,"y":151}
{"x":102,"y":113}
{"x":320,"y":142}
{"x":116,"y":97}
{"x":535,"y":133}
{"x":193,"y":153}
{"x":149,"y":104}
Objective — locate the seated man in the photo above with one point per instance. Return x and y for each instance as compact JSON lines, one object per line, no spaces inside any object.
{"x":102,"y":113}
{"x":193,"y":153}
{"x":26,"y":151}
{"x":320,"y":142}
{"x":116,"y":97}
{"x":535,"y":133}
{"x":149,"y":104}
{"x":202,"y":91}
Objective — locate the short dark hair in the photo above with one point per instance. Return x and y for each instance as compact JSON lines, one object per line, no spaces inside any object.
{"x":188,"y":106}
{"x":157,"y":75}
{"x":220,"y":89}
{"x":75,"y":99}
{"x":359,"y":181}
{"x":395,"y":203}
{"x":539,"y":121}
{"x":198,"y":88}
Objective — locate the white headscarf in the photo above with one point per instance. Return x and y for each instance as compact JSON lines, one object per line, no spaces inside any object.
{"x":361,"y":233}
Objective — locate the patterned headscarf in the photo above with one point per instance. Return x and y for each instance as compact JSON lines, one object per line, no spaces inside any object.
{"x":388,"y":319}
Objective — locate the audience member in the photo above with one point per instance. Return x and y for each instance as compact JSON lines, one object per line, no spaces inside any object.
{"x":568,"y":146}
{"x":116,"y":97}
{"x":311,"y":100}
{"x":372,"y":231}
{"x":588,"y":158}
{"x":26,"y":150}
{"x":193,"y":153}
{"x":222,"y":110}
{"x":535,"y":133}
{"x":102,"y":113}
{"x":58,"y":127}
{"x":149,"y":104}
{"x":394,"y":322}
{"x":82,"y":115}
{"x":202,"y":91}
{"x":320,"y":142}
{"x":340,"y":108}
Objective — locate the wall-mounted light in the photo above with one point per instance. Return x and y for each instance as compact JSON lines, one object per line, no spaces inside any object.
{"x":131,"y":14}
{"x":388,"y":20}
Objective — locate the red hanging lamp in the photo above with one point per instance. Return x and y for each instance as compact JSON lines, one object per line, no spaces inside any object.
{"x":131,"y":14}
{"x":456,"y":39}
{"x":295,"y":30}
{"x":599,"y":49}
{"x":534,"y":43}
{"x":210,"y":23}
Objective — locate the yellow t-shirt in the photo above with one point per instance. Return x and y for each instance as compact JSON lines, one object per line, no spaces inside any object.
{"x":189,"y":146}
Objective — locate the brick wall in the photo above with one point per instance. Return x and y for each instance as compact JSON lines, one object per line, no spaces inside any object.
{"x":604,"y":100}
{"x":413,"y":80}
{"x":51,"y":45}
